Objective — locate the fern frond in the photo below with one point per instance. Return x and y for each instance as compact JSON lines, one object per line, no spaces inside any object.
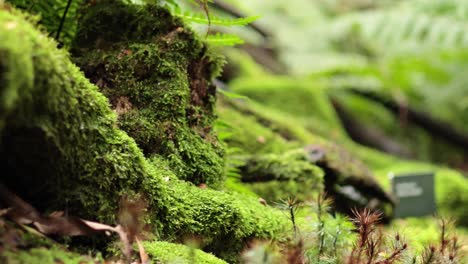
{"x":404,"y":29}
{"x":220,"y":39}
{"x":212,"y":20}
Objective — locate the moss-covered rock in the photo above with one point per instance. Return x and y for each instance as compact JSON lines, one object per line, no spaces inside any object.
{"x":61,"y":148}
{"x":157,"y":75}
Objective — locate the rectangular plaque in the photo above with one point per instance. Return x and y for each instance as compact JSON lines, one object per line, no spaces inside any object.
{"x":415,"y":194}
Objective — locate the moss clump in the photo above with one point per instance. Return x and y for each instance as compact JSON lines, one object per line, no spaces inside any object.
{"x":163,"y":252}
{"x":61,"y":148}
{"x":157,"y":75}
{"x":275,"y":177}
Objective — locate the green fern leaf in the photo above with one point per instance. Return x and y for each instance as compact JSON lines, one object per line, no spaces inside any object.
{"x":220,"y":39}
{"x":212,"y":20}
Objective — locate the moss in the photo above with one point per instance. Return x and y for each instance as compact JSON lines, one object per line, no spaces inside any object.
{"x":250,"y":136}
{"x":224,"y":221}
{"x":46,"y":256}
{"x":306,"y":100}
{"x":49,"y":15}
{"x":284,"y":132}
{"x":163,"y":252}
{"x":61,"y":148}
{"x":24,"y":245}
{"x":235,"y":185}
{"x":275,"y":177}
{"x":157,"y":75}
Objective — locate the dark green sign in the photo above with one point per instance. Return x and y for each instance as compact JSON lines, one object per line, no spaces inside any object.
{"x":415,"y":194}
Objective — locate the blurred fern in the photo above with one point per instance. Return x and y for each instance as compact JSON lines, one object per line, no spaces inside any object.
{"x":399,"y":30}
{"x":218,"y":39}
{"x":211,"y":19}
{"x":221,"y":39}
{"x":59,"y":18}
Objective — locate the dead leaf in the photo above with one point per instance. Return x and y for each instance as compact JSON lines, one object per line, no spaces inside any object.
{"x":144,"y":258}
{"x":56,"y":223}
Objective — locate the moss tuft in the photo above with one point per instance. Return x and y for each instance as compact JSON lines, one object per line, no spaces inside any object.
{"x":163,"y":252}
{"x":275,"y":177}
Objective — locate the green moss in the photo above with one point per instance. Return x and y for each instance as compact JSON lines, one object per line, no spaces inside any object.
{"x":276,"y":131}
{"x":157,"y":75}
{"x":275,"y":177}
{"x":284,"y":132}
{"x":163,"y":252}
{"x":48,"y":14}
{"x":306,"y":100}
{"x":46,"y":256}
{"x":24,"y":245}
{"x":62,"y":140}
{"x":224,"y":221}
{"x":249,"y":135}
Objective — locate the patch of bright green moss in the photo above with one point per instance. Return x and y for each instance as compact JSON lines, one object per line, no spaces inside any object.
{"x":163,"y":252}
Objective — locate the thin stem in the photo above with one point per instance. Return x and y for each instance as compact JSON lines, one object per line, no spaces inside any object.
{"x":62,"y":21}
